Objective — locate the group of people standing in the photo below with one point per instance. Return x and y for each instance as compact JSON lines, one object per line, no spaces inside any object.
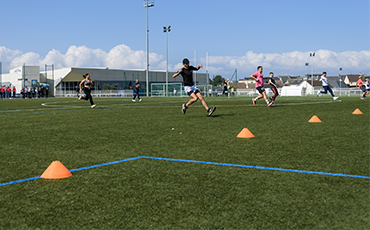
{"x":7,"y":92}
{"x":34,"y":92}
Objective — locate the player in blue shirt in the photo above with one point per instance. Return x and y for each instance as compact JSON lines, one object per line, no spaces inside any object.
{"x":136,"y":90}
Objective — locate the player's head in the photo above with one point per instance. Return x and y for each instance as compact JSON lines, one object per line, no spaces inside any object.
{"x":185,"y":62}
{"x":324,"y":73}
{"x":271,"y":74}
{"x":137,"y":80}
{"x":259,"y":69}
{"x":86,"y":76}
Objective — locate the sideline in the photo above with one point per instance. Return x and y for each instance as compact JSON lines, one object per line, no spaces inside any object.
{"x":200,"y":162}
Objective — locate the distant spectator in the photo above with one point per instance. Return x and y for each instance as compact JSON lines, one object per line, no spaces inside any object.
{"x":2,"y":89}
{"x":8,"y":92}
{"x":224,"y":91}
{"x":14,"y":91}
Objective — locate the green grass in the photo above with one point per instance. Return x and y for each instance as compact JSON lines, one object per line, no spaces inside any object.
{"x":152,"y":194}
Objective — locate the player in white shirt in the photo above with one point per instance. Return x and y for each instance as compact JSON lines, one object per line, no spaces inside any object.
{"x":367,"y":85}
{"x":325,"y":85}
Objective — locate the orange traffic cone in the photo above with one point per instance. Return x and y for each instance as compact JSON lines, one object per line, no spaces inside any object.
{"x":357,"y":111}
{"x":56,"y":170}
{"x":314,"y":119}
{"x":245,"y":133}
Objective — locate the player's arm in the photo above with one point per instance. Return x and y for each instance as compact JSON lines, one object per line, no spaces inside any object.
{"x":270,"y":82}
{"x":253,"y":77}
{"x":199,"y":66}
{"x":81,"y":84}
{"x":177,"y":74}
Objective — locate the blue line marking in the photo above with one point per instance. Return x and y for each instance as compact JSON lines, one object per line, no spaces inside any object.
{"x":20,"y":181}
{"x":197,"y":162}
{"x":109,"y":163}
{"x":261,"y":167}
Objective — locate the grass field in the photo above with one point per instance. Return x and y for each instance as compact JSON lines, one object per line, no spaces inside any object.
{"x":162,"y":194}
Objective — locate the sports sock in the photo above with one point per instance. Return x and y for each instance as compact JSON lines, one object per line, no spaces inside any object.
{"x":267,"y":101}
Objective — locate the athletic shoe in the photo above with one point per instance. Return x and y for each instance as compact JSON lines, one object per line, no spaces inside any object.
{"x":183,"y":110}
{"x":254,"y":102}
{"x":362,"y":98}
{"x":211,"y":110}
{"x":93,"y":106}
{"x":335,"y":98}
{"x":140,"y":100}
{"x":269,"y":104}
{"x":318,"y":93}
{"x":133,"y":100}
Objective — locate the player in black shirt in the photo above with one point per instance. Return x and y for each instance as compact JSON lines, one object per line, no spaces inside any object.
{"x":273,"y":88}
{"x":190,"y":88}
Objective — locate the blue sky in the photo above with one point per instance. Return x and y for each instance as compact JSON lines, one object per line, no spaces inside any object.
{"x":225,"y":29}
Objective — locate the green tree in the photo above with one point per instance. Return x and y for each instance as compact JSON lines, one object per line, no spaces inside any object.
{"x":217,"y":80}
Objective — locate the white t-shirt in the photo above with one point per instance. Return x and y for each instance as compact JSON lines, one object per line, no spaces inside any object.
{"x":324,"y":81}
{"x":367,"y":84}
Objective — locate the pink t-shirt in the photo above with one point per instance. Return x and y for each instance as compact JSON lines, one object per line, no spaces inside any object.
{"x":259,"y":76}
{"x":359,"y":82}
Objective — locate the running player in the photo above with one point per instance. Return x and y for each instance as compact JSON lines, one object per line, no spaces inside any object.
{"x":190,"y":88}
{"x":360,"y":84}
{"x":326,"y":86}
{"x":367,"y":85}
{"x":136,"y":90}
{"x":273,"y":88}
{"x":87,"y":84}
{"x":259,"y":86}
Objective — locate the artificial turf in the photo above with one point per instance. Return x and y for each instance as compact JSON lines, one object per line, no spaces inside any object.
{"x":152,"y":194}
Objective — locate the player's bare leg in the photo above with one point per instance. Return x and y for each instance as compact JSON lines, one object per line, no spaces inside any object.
{"x":193,"y":99}
{"x":200,"y":97}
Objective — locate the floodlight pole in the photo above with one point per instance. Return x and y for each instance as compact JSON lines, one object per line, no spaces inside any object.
{"x":312,"y":55}
{"x":306,"y":64}
{"x":147,"y":4}
{"x":166,"y":30}
{"x":340,"y":82}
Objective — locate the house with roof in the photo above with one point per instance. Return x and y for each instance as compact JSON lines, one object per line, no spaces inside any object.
{"x":351,"y":79}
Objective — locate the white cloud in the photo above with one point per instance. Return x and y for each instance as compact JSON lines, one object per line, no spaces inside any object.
{"x":124,"y":57}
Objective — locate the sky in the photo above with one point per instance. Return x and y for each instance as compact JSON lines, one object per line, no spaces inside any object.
{"x":236,"y":34}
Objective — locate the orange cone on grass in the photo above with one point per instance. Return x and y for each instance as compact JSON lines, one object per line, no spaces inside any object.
{"x":56,"y":170}
{"x":245,"y":133}
{"x":314,"y":119}
{"x":357,"y":111}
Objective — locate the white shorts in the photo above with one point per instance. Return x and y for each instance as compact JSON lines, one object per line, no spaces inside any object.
{"x":191,"y":89}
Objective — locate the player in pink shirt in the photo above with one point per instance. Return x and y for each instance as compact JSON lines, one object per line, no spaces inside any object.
{"x":259,"y":86}
{"x":360,"y":84}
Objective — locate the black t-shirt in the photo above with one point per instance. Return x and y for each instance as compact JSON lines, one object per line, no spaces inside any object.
{"x":273,"y":81}
{"x":187,"y":75}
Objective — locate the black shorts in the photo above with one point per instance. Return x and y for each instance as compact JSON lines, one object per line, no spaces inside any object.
{"x":363,"y":88}
{"x":260,"y":89}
